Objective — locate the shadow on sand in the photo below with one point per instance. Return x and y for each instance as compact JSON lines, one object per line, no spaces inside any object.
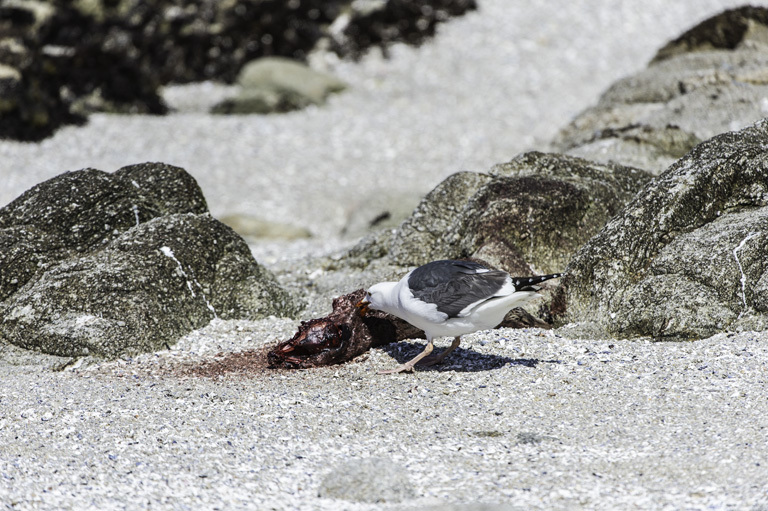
{"x":462,"y":360}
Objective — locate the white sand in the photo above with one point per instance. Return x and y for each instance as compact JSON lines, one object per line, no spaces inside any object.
{"x":622,"y":424}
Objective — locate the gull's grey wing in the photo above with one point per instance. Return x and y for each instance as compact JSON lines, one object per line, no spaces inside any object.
{"x":454,"y":285}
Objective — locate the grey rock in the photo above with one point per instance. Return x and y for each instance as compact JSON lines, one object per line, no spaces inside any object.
{"x":34,"y":15}
{"x":423,"y":237}
{"x":686,"y":258}
{"x":529,"y":214}
{"x":281,"y":73}
{"x":712,"y":79}
{"x":635,"y":145}
{"x":540,"y":208}
{"x":79,"y":211}
{"x":370,"y":250}
{"x":583,"y":330}
{"x":367,"y":7}
{"x":143,"y":291}
{"x":367,"y":480}
{"x":114,"y":264}
{"x":15,"y":356}
{"x":32,"y":105}
{"x":276,"y":84}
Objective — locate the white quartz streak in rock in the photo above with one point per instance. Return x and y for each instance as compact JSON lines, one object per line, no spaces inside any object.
{"x":135,"y":209}
{"x":743,"y":278}
{"x":168,"y":252}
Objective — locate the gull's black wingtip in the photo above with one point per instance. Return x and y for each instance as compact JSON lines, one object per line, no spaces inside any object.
{"x":522,"y":283}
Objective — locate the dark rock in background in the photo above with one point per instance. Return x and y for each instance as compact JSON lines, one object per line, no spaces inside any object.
{"x":712,"y":79}
{"x":61,"y":60}
{"x":726,"y":31}
{"x":687,"y":257}
{"x":113,"y":264}
{"x":71,"y":63}
{"x":381,"y":23}
{"x":31,"y":106}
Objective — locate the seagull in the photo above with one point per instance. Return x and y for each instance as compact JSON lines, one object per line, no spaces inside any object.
{"x":451,"y":298}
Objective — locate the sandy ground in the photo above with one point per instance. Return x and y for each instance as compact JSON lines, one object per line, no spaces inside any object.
{"x":522,"y":419}
{"x":515,"y":419}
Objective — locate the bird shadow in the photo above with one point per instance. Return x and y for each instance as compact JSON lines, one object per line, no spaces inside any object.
{"x":461,"y":360}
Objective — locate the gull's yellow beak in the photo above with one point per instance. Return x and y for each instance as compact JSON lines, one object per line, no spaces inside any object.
{"x":362,"y":307}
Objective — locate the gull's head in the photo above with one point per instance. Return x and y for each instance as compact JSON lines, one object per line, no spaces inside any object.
{"x":379,"y":297}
